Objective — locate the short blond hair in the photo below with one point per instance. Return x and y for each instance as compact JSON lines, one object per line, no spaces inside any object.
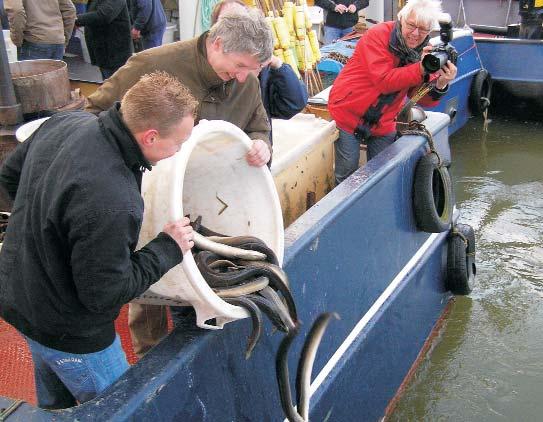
{"x":158,"y":101}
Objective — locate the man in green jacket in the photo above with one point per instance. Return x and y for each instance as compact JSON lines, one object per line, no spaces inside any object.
{"x":218,"y":69}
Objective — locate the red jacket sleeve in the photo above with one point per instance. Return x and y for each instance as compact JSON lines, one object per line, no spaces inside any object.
{"x":382,"y":70}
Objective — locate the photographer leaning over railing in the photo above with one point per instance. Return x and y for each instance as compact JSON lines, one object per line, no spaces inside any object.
{"x":385,"y":68}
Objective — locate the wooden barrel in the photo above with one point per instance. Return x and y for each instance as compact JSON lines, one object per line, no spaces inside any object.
{"x":41,"y":85}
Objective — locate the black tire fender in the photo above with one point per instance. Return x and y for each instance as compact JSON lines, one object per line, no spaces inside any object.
{"x":480,"y":92}
{"x":432,"y":195}
{"x":461,"y":268}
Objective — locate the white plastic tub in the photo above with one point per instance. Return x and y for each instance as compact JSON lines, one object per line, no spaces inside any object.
{"x":208,"y":173}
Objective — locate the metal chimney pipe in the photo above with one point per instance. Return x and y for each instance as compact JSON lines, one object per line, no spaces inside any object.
{"x":11,"y":113}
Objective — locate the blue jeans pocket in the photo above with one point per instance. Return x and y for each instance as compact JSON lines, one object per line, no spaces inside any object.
{"x":77,"y":377}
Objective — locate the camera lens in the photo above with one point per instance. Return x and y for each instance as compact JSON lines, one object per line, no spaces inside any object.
{"x":434,"y":61}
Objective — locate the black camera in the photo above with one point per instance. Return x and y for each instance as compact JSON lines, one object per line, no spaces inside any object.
{"x":442,"y":52}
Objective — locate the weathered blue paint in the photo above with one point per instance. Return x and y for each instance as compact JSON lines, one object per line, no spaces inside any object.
{"x":457,"y":99}
{"x":512,"y":59}
{"x":515,"y":64}
{"x":341,"y":255}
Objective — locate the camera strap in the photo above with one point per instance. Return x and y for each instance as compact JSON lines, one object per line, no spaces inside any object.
{"x":421,"y":92}
{"x":371,"y":117}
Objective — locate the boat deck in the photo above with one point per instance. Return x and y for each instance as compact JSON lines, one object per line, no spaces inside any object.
{"x":16,"y":369}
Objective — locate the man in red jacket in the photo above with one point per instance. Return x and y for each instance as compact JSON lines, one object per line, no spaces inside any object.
{"x":385,"y":68}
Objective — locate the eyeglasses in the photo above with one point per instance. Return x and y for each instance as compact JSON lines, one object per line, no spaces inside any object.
{"x":411,"y":28}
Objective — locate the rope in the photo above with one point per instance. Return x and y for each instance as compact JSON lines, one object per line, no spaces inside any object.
{"x":456,"y":232}
{"x":421,"y":92}
{"x":486,"y":120}
{"x":418,"y":129}
{"x":463,"y":10}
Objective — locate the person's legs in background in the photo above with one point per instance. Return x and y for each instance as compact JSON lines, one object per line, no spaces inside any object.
{"x":84,"y":375}
{"x":376,"y":144}
{"x":153,"y":39}
{"x":346,"y":31}
{"x":34,"y":51}
{"x":148,"y":324}
{"x":347,"y":155}
{"x":106,"y":72}
{"x":332,"y":34}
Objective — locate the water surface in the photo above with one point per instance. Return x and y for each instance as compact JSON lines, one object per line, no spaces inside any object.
{"x":487,"y":364}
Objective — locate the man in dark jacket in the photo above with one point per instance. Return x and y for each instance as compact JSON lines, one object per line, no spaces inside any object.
{"x":107,"y":34}
{"x":148,"y":22}
{"x":68,"y":262}
{"x":341,"y":16}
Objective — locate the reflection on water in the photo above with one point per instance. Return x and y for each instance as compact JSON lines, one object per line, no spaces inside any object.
{"x":488,"y":362}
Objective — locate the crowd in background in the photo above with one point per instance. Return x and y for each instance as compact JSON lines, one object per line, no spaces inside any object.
{"x":113,"y":29}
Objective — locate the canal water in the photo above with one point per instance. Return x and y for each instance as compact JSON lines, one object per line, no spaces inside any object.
{"x":487,"y":363}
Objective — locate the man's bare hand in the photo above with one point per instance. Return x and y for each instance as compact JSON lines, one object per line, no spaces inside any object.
{"x":340,"y":8}
{"x":136,"y":34}
{"x":276,"y":62}
{"x":259,"y":154}
{"x":351,"y":8}
{"x":181,"y":232}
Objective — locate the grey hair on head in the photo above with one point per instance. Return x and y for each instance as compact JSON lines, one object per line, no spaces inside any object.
{"x":246,"y":33}
{"x":425,"y":12}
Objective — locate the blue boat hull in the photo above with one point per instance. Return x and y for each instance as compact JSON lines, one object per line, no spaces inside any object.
{"x":515,"y":65}
{"x":357,"y":252}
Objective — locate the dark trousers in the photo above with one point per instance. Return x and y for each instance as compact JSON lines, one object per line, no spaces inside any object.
{"x":107,"y":72}
{"x":347,"y":152}
{"x":153,"y":39}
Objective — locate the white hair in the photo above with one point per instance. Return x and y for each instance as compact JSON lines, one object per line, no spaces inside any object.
{"x":245,"y":32}
{"x":424,"y":12}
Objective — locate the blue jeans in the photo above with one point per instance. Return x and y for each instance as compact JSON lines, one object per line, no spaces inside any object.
{"x":33,"y":51}
{"x":347,"y":152}
{"x":332,"y":34}
{"x":66,"y":379}
{"x":153,"y":39}
{"x":107,"y":72}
